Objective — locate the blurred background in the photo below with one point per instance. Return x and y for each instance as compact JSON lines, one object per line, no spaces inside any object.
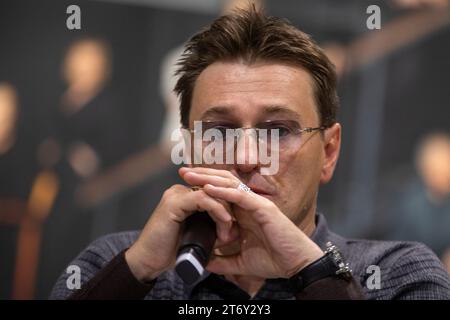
{"x":85,"y":118}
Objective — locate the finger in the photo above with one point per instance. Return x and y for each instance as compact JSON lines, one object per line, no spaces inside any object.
{"x":246,"y":200}
{"x":226,"y":265}
{"x":198,"y":201}
{"x":198,"y":179}
{"x":217,"y":211}
{"x":208,"y":171}
{"x":233,"y":235}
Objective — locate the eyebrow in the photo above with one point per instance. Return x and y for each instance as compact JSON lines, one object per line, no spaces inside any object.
{"x":217,"y":111}
{"x":276,"y":110}
{"x":269,"y":110}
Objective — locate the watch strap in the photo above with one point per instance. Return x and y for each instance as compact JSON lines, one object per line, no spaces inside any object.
{"x":329,"y":265}
{"x":322,"y":268}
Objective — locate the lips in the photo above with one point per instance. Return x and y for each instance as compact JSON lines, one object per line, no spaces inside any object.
{"x":259,"y":191}
{"x":261,"y":186}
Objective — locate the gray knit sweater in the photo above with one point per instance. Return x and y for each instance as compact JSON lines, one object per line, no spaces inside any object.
{"x":407,"y":270}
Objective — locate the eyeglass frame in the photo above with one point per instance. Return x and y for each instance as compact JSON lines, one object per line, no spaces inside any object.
{"x":298,"y":130}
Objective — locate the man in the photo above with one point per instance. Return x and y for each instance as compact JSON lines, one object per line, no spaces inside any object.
{"x":248,"y":70}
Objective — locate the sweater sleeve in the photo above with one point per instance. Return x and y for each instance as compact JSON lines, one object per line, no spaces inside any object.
{"x":114,"y":282}
{"x":102,"y":258}
{"x":332,"y":288}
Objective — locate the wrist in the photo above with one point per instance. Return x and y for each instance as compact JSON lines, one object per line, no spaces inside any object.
{"x":305,"y":259}
{"x":138,"y":266}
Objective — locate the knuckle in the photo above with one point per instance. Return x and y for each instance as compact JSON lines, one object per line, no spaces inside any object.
{"x":200,"y":195}
{"x":232,"y":181}
{"x":177,"y":188}
{"x":240,"y":194}
{"x":173,"y":191}
{"x":166,"y":195}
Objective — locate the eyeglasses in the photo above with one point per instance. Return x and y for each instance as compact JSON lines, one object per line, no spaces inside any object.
{"x":281,"y":134}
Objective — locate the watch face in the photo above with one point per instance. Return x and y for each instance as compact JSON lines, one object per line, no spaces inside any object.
{"x":342,"y":268}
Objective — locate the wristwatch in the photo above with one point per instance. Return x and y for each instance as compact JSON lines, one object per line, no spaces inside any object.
{"x":330,"y":265}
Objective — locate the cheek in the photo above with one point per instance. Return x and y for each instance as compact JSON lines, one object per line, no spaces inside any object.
{"x":298,"y":168}
{"x":298,"y":179}
{"x":290,"y":167}
{"x":290,"y":178}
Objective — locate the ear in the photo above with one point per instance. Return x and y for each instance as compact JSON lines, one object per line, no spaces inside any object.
{"x":332,"y":146}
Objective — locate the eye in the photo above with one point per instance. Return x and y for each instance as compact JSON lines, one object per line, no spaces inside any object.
{"x":283,"y":129}
{"x":222,"y":129}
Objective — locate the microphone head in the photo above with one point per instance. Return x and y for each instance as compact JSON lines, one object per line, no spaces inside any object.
{"x":196,"y":245}
{"x":189,"y":265}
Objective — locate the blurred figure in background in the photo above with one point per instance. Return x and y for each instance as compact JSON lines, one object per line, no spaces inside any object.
{"x":86,"y":68}
{"x":12,"y":192}
{"x":88,"y":123}
{"x":423,"y":211}
{"x":16,"y":148}
{"x":20,"y":213}
{"x":78,"y":131}
{"x":8,"y":117}
{"x":86,"y":136}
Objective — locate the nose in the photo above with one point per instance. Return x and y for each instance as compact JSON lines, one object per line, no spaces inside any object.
{"x":247,"y":158}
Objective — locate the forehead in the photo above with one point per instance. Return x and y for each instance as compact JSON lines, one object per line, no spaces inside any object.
{"x":243,"y":91}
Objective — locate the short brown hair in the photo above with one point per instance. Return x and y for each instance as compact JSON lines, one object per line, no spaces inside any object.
{"x":251,"y":36}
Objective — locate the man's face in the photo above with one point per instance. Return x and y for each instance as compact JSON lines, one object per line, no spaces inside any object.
{"x":247,"y":95}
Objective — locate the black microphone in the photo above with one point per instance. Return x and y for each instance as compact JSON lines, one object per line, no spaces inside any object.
{"x":196,"y":245}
